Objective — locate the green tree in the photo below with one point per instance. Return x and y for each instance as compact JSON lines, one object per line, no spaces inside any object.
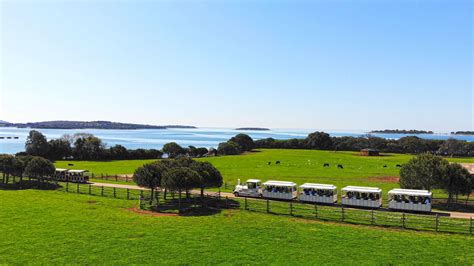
{"x":244,"y":141}
{"x":7,"y":166}
{"x":88,"y":147}
{"x":210,"y":176}
{"x":181,"y":179}
{"x":424,"y":171}
{"x":452,"y":147}
{"x":319,"y":141}
{"x":36,"y":144}
{"x":173,"y":149}
{"x":457,"y":180}
{"x":150,"y":176}
{"x":228,"y":148}
{"x":39,"y":168}
{"x":59,"y":149}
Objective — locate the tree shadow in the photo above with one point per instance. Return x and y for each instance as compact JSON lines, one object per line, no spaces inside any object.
{"x":29,"y":184}
{"x":194,"y":206}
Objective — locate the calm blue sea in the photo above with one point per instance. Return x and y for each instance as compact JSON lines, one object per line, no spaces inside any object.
{"x":156,"y":138}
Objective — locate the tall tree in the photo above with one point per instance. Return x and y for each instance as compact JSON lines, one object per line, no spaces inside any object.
{"x":59,"y":149}
{"x":244,"y":141}
{"x":7,"y":166}
{"x":456,"y":180}
{"x":173,"y":149}
{"x":150,"y":176}
{"x":228,"y":148}
{"x":210,"y":176}
{"x":319,"y":141}
{"x":39,"y":168}
{"x":88,"y":147}
{"x":424,"y":171}
{"x":36,"y":144}
{"x":181,"y":179}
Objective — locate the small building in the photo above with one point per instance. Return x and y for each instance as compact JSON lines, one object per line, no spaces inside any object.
{"x":369,"y":152}
{"x":469,"y":167}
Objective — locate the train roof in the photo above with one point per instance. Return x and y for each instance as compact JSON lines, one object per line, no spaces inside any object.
{"x":318,"y":186}
{"x":77,"y":171}
{"x":279,"y":183}
{"x":410,"y":192}
{"x":362,"y":189}
{"x":61,"y":170}
{"x":253,"y":180}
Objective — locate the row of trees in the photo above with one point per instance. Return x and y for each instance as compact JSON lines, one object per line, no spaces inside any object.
{"x":25,"y":166}
{"x":410,"y":144}
{"x":427,"y":171}
{"x":181,"y":175}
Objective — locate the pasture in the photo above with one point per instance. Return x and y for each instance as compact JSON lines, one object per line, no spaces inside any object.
{"x":299,"y":166}
{"x":63,"y":228}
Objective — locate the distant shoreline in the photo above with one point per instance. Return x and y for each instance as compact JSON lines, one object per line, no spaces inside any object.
{"x":89,"y":125}
{"x":253,"y":128}
{"x":401,"y":131}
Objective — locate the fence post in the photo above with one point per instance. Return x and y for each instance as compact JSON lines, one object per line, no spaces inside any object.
{"x":316,"y":210}
{"x":102,"y":176}
{"x":116,"y":178}
{"x":102,"y":191}
{"x":90,"y":189}
{"x":114,"y":192}
{"x":291,"y":208}
{"x":78,"y":188}
{"x":226,"y":206}
{"x":437,"y":222}
{"x":245,"y":206}
{"x":92,"y":175}
{"x":372,"y":221}
{"x":126,"y":178}
{"x":128,"y":194}
{"x":141,"y":193}
{"x":268,"y":206}
{"x":342,"y":214}
{"x":403,"y":220}
{"x":67,"y":186}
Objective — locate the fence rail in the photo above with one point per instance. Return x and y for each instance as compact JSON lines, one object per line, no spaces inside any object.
{"x":374,"y":217}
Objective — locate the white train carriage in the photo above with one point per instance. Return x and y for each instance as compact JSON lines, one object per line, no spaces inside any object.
{"x":60,"y":174}
{"x":251,"y":188}
{"x":410,"y":200}
{"x":320,"y":193}
{"x":79,"y":176}
{"x":279,"y":190}
{"x":369,"y":197}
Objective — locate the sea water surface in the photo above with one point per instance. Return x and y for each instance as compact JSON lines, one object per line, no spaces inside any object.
{"x":199,"y":137}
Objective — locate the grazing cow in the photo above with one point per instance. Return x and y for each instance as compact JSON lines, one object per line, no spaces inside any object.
{"x":399,"y":165}
{"x":70,"y":164}
{"x":340,"y":166}
{"x":326,"y":165}
{"x":269,"y":163}
{"x":385,"y":166}
{"x":277,"y":162}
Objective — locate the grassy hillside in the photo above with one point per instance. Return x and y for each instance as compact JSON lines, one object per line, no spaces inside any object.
{"x":68,"y":228}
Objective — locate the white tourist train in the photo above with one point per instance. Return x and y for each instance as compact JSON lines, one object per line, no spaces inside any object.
{"x":370,"y":197}
{"x":279,"y":190}
{"x":410,"y":200}
{"x":352,"y":196}
{"x":78,"y":176}
{"x":321,"y":193}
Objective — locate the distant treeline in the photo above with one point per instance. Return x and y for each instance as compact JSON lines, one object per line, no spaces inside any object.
{"x":86,"y":125}
{"x":463,"y":133}
{"x":402,"y":131}
{"x":410,"y":144}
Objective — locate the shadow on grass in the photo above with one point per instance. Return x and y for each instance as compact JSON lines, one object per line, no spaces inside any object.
{"x":455,"y":206}
{"x":193,"y":206}
{"x":29,"y":184}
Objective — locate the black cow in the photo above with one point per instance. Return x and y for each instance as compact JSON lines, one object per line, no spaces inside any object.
{"x":385,"y":166}
{"x":269,"y":163}
{"x":340,"y":166}
{"x":399,"y":165}
{"x":277,"y":162}
{"x":70,"y":164}
{"x":326,"y":165}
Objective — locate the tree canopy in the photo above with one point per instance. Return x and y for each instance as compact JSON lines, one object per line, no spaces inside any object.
{"x":36,"y":144}
{"x":424,"y":171}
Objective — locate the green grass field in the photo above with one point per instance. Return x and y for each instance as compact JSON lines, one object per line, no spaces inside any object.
{"x":299,"y":166}
{"x":61,"y":228}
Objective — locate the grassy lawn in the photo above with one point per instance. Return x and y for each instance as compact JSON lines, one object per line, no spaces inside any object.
{"x":63,"y":228}
{"x":299,"y":166}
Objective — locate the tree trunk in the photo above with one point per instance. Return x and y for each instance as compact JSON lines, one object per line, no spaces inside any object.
{"x":179,"y":200}
{"x":202,"y":193}
{"x":151,"y":195}
{"x":166,"y":190}
{"x":467,"y":198}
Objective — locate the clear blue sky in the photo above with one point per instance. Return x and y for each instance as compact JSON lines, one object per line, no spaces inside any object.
{"x":332,"y":65}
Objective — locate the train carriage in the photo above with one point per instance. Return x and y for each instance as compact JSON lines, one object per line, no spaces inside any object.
{"x":320,"y":193}
{"x":279,"y":190}
{"x":369,"y":197}
{"x":410,"y":200}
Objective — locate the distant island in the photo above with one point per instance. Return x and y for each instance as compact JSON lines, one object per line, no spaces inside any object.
{"x":253,"y":128}
{"x":463,"y":133}
{"x":86,"y":125}
{"x":402,"y":131}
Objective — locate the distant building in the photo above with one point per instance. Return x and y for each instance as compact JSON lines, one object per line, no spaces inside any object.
{"x":369,"y":152}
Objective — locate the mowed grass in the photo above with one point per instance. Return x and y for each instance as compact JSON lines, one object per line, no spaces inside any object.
{"x":299,"y":166}
{"x":62,"y":228}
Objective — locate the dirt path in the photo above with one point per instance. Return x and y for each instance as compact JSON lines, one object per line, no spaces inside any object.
{"x":462,"y":215}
